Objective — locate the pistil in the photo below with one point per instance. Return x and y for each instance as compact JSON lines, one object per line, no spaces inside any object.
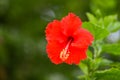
{"x":64,"y":54}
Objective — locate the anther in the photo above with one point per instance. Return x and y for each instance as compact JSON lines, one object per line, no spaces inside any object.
{"x":64,"y":54}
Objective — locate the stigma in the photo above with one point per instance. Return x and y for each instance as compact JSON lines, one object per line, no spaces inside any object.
{"x":64,"y":54}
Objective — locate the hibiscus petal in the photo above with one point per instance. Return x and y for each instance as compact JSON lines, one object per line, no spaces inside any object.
{"x":54,"y":32}
{"x":76,"y":55}
{"x":70,"y":24}
{"x":53,"y":50}
{"x":82,"y":38}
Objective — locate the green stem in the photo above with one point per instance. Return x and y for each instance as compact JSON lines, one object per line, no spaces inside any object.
{"x":97,"y":51}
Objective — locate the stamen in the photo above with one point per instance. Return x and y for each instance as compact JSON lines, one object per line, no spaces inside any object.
{"x":64,"y":54}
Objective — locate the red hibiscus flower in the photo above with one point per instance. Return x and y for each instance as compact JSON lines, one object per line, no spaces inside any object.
{"x":67,"y":40}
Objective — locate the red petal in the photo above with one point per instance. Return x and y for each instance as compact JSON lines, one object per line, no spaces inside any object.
{"x":57,"y":34}
{"x":82,"y":38}
{"x":53,"y":50}
{"x":70,"y":24}
{"x":76,"y":55}
{"x":54,"y":32}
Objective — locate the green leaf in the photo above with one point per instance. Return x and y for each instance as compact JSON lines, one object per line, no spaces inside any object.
{"x":98,"y":13}
{"x":89,"y":54}
{"x":110,"y":74}
{"x":92,"y":18}
{"x":111,"y":48}
{"x":95,"y":64}
{"x":98,"y":32}
{"x":109,"y":19}
{"x":82,"y":77}
{"x":115,"y":65}
{"x":113,"y":27}
{"x":105,"y":62}
{"x":84,"y":68}
{"x":111,"y":23}
{"x":100,"y":62}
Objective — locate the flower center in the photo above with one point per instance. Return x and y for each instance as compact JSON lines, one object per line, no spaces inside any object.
{"x":64,"y":54}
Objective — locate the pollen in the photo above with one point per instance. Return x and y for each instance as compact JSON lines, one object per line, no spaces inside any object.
{"x":64,"y":54}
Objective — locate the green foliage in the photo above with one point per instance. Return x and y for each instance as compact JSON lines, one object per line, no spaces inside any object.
{"x":112,"y":49}
{"x":113,"y":27}
{"x":92,"y":18}
{"x":89,"y":54}
{"x":82,"y":77}
{"x":84,"y":68}
{"x":109,"y":19}
{"x":109,"y":22}
{"x":97,"y":31}
{"x":115,"y":65}
{"x":105,"y":62}
{"x":110,"y":74}
{"x":106,"y":6}
{"x":101,"y":26}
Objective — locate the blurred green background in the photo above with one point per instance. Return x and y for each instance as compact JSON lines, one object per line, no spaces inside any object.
{"x":22,"y":37}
